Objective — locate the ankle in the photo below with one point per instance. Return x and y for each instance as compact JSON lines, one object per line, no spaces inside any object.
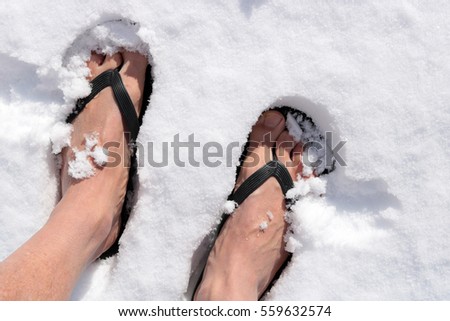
{"x":226,"y":286}
{"x":87,"y":223}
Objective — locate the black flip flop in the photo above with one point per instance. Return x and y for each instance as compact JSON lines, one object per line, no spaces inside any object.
{"x":271,"y":169}
{"x":132,"y":121}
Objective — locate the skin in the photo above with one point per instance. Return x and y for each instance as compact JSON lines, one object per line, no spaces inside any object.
{"x":244,"y":258}
{"x":49,"y":264}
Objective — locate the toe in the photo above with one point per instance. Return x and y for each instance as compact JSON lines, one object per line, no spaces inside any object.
{"x":297,"y":153}
{"x":262,"y":138}
{"x":99,"y":63}
{"x":284,"y":145}
{"x":269,"y":126}
{"x":112,"y":62}
{"x":94,"y":64}
{"x":96,"y":60}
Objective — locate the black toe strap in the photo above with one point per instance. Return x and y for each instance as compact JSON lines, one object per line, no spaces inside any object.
{"x":272,"y":169}
{"x":111,"y":78}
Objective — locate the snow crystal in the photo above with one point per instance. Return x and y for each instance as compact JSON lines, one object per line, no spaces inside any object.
{"x":269,"y":215}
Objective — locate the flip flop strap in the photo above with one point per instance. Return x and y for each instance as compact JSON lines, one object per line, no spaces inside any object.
{"x":272,"y":169}
{"x":111,"y":78}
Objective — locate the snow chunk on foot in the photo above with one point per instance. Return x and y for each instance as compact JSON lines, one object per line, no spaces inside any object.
{"x":294,"y":128}
{"x":263,"y":226}
{"x":305,"y":131}
{"x":91,"y":140}
{"x":229,"y":207}
{"x":100,"y":156}
{"x":269,"y":215}
{"x":302,"y":187}
{"x":81,"y":167}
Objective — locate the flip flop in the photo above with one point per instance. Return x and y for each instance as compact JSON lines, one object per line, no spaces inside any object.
{"x":132,"y":121}
{"x":273,"y":168}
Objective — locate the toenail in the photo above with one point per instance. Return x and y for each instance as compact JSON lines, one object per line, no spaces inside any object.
{"x":272,"y":119}
{"x":260,"y":120}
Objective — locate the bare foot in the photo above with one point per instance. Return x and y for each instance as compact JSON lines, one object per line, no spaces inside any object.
{"x":104,"y":193}
{"x":250,"y":247}
{"x":85,"y":222}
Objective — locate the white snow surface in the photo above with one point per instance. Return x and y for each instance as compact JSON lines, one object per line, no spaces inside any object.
{"x":374,"y":74}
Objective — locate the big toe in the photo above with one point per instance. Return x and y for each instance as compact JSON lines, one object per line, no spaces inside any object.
{"x":269,"y":126}
{"x":99,"y":63}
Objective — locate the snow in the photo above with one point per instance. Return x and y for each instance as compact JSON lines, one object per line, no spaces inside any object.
{"x":229,"y":207}
{"x":294,"y":129}
{"x":263,"y":226}
{"x":99,"y":155}
{"x":307,"y":170}
{"x":60,"y":137}
{"x":313,"y":141}
{"x":373,"y":74}
{"x":81,"y":166}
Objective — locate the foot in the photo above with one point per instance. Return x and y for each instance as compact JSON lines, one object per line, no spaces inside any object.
{"x":86,"y":220}
{"x":101,"y":196}
{"x":250,"y":247}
